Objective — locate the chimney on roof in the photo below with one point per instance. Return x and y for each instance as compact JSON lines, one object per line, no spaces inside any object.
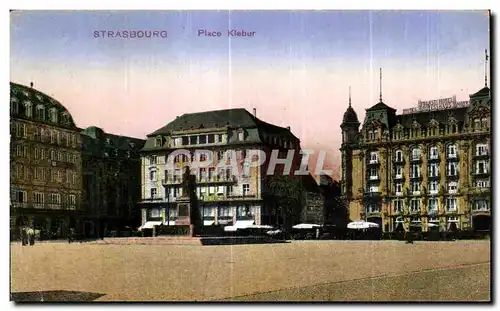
{"x":288,"y":127}
{"x":31,"y":84}
{"x":255,"y":112}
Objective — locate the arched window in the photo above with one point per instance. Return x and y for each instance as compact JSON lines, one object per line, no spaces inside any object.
{"x":28,"y":109}
{"x":373,"y":157}
{"x":415,"y":153}
{"x":482,"y":149}
{"x":398,"y":154}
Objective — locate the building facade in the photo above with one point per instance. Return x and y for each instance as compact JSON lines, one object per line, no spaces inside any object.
{"x":322,"y":201}
{"x":227,"y":194}
{"x":111,"y":181}
{"x":45,"y":164}
{"x":425,"y":168}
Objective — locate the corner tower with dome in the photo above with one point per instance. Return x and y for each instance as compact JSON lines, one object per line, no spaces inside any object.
{"x":427,"y":168}
{"x":45,"y":164}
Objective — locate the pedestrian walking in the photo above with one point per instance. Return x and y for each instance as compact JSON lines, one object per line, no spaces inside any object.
{"x":24,"y":236}
{"x":71,"y":235}
{"x":31,"y":236}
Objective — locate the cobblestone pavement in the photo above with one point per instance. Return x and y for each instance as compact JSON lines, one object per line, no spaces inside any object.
{"x":314,"y":270}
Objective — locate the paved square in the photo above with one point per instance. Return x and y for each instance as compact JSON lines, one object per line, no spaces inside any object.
{"x":309,"y":270}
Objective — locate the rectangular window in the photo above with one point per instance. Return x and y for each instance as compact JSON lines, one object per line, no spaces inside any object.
{"x":185,"y":140}
{"x":415,"y":205}
{"x":72,"y":199}
{"x":373,"y":173}
{"x":451,"y":204}
{"x":452,"y":187}
{"x":193,"y":140}
{"x":415,"y":187}
{"x":21,"y":196}
{"x":398,"y":206}
{"x":452,"y":169}
{"x":434,"y":153}
{"x":38,"y":198}
{"x":203,"y":139}
{"x":229,"y":190}
{"x":398,"y":188}
{"x":399,"y":155}
{"x":210,"y":138}
{"x":153,"y":193}
{"x":152,"y":160}
{"x":433,"y":205}
{"x":482,"y":149}
{"x":433,"y":187}
{"x":220,"y":138}
{"x":225,"y":212}
{"x":399,"y":171}
{"x":433,"y":170}
{"x":246,"y":189}
{"x":415,"y":171}
{"x":481,"y":167}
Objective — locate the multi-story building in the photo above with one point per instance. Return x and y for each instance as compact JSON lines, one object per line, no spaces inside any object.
{"x":227,"y":194}
{"x":321,"y":202}
{"x":111,"y":181}
{"x":45,"y":164}
{"x":427,"y":167}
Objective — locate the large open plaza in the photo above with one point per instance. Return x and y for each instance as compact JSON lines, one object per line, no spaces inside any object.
{"x":305,"y":271}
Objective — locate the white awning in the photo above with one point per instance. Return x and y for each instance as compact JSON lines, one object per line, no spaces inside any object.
{"x":432,"y":225}
{"x":242,"y":224}
{"x":306,"y":226}
{"x":150,"y":225}
{"x":362,"y":225}
{"x":259,"y":227}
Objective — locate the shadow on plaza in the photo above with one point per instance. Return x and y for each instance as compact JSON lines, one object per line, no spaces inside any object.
{"x":53,"y":296}
{"x":235,"y":240}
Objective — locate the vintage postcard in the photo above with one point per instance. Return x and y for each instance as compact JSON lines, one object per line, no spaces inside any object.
{"x":238,"y":155}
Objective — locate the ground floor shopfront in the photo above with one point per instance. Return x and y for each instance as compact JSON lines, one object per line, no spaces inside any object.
{"x":211,"y":213}
{"x":48,"y":225}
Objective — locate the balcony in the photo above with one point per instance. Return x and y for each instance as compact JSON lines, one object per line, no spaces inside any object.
{"x":373,"y":162}
{"x":416,"y":177}
{"x":152,"y":199}
{"x":451,"y":210}
{"x":416,"y":192}
{"x":414,"y":210}
{"x":415,"y":158}
{"x":171,"y":181}
{"x":373,"y":178}
{"x":216,"y":180}
{"x":399,"y":177}
{"x":481,"y":173}
{"x":452,"y":157}
{"x":454,"y":176}
{"x":484,"y":154}
{"x":399,"y":160}
{"x":433,"y":158}
{"x":227,"y":197}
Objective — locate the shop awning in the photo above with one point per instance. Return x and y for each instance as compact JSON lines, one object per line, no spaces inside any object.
{"x":362,"y":225}
{"x":208,"y":222}
{"x":241,"y":224}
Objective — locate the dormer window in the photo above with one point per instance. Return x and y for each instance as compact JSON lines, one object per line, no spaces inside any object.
{"x":484,"y":123}
{"x":371,"y":135}
{"x":65,"y":118}
{"x":28,"y":109}
{"x":158,"y":141}
{"x":108,"y":141}
{"x":14,"y":106}
{"x":53,"y":115}
{"x":241,"y":135}
{"x":40,"y":112}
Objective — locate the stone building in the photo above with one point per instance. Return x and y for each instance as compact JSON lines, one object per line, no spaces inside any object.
{"x":322,"y":202}
{"x":111,"y":181}
{"x":427,"y":167}
{"x":45,"y":164}
{"x":227,"y":194}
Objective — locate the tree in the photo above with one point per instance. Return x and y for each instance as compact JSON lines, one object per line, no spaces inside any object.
{"x":284,"y":196}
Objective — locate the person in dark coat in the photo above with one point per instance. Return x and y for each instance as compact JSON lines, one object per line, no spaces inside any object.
{"x":24,"y":236}
{"x":71,"y":235}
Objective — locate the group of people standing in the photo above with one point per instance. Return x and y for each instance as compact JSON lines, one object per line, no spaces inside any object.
{"x":28,"y":236}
